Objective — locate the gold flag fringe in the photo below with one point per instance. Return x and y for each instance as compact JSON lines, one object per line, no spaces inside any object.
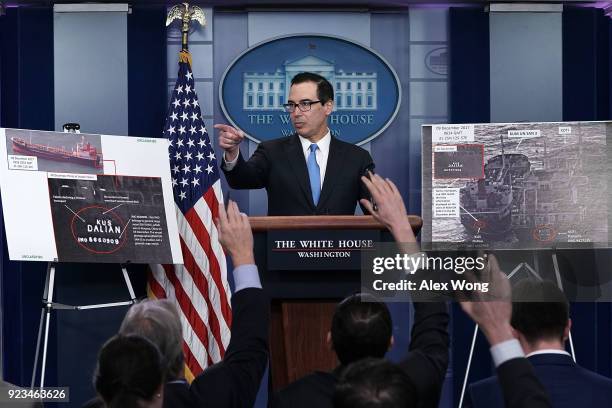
{"x":185,"y":56}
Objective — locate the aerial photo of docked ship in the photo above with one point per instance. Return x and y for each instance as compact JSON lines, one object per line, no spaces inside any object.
{"x":83,"y":153}
{"x":486,"y":204}
{"x":540,"y":190}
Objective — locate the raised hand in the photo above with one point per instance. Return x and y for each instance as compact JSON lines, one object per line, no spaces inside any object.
{"x":235,"y":234}
{"x":390,"y":209}
{"x":492,"y":310}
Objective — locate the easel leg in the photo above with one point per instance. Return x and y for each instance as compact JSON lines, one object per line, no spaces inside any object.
{"x":128,"y":283}
{"x":467,"y":368}
{"x":49,"y":306}
{"x":40,"y":324}
{"x":45,"y":316}
{"x":557,"y":273}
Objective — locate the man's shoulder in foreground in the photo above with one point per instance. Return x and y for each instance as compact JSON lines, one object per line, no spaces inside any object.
{"x":313,"y":390}
{"x":176,"y":394}
{"x":564,"y":380}
{"x":560,"y":370}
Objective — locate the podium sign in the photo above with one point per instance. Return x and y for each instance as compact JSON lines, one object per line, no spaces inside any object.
{"x":319,"y":249}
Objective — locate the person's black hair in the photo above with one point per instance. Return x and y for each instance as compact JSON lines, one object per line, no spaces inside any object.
{"x":540,"y":310}
{"x":361,"y":327}
{"x":325,"y":91}
{"x":129,"y":372}
{"x":375,"y":383}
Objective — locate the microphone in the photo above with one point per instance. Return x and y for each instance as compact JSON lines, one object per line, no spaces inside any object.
{"x":367,"y":172}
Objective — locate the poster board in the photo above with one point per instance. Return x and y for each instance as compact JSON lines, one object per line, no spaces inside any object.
{"x":517,"y":185}
{"x":70,"y":197}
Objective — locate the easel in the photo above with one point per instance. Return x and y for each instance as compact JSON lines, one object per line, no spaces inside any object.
{"x":534,"y":272}
{"x":48,"y":305}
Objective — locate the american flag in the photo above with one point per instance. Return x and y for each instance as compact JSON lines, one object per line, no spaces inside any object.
{"x":199,"y":287}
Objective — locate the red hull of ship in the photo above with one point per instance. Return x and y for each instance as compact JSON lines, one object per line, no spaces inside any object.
{"x":26,"y":148}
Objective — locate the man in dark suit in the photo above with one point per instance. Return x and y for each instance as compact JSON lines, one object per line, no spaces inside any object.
{"x":541,"y":323}
{"x":308,"y":173}
{"x":362,"y":327}
{"x":235,"y":380}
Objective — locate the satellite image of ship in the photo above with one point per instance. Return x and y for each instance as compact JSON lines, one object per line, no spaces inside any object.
{"x":486,"y":205}
{"x":554,"y":199}
{"x":83,"y":153}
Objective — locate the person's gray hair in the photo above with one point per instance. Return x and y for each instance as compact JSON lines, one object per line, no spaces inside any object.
{"x":159,"y":322}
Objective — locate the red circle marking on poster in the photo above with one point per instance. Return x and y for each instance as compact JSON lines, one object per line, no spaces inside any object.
{"x":100,"y":209}
{"x":480,"y":224}
{"x":544,"y":233}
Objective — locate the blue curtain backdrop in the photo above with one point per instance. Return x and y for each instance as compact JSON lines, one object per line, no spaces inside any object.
{"x":586,"y":96}
{"x":26,"y":101}
{"x":468,"y":67}
{"x":586,"y":62}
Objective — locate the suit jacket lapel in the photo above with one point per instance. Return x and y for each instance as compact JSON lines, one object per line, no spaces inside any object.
{"x":333,"y":172}
{"x":295,"y":156}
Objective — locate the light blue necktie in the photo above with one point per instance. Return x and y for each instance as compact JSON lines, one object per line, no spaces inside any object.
{"x":314,"y":173}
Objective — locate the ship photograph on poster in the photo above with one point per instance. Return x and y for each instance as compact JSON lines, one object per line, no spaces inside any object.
{"x":54,"y":151}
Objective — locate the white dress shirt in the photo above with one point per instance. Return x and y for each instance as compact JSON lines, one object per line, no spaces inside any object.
{"x":506,"y":350}
{"x":549,"y":351}
{"x":246,"y":276}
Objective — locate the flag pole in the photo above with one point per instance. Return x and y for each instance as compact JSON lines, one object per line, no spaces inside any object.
{"x":199,"y":287}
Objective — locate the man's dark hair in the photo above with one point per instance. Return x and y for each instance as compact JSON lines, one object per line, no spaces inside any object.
{"x":540,"y":310}
{"x":375,"y":383}
{"x":325,"y":91}
{"x":129,"y":371}
{"x":361,"y":327}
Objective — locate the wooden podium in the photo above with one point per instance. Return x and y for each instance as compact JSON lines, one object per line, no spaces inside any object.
{"x":305,"y":291}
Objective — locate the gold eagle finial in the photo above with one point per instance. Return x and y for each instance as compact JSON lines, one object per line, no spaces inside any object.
{"x":186,"y":14}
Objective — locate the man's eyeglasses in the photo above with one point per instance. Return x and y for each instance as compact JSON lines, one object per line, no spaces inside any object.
{"x":303,"y":105}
